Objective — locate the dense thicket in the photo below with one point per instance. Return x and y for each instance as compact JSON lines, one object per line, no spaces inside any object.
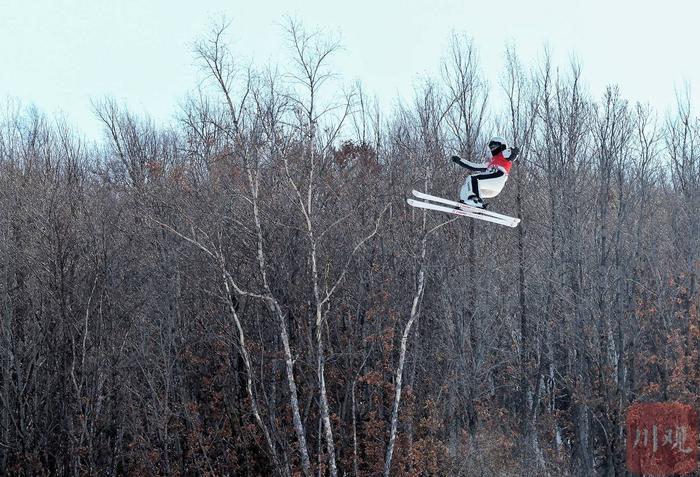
{"x":247,"y":292}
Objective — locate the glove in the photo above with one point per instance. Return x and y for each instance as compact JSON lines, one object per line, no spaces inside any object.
{"x":512,"y":153}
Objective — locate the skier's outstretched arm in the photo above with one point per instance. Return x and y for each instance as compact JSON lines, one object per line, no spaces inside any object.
{"x":473,"y":166}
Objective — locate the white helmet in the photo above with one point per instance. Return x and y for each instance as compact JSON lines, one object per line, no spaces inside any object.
{"x":497,"y":144}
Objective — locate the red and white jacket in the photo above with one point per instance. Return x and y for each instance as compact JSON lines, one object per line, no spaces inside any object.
{"x":500,"y":161}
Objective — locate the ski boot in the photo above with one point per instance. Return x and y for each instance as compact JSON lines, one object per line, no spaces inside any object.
{"x":474,"y":201}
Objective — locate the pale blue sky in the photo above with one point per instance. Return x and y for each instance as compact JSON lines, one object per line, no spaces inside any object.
{"x":58,"y":54}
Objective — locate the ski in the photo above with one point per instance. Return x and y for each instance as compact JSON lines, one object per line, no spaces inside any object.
{"x":477,"y":210}
{"x":462,"y":212}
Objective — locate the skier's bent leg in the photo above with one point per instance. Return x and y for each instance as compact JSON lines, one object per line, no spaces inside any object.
{"x":469,"y":193}
{"x":466,"y":190}
{"x":490,"y":184}
{"x":470,"y":188}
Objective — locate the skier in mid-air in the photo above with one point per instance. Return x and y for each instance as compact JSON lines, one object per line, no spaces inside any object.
{"x":490,"y":177}
{"x":488,"y":182}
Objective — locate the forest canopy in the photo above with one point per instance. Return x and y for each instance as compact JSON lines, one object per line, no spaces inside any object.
{"x":245,"y":291}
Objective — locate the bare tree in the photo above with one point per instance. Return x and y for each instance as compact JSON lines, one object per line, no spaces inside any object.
{"x":217,"y":58}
